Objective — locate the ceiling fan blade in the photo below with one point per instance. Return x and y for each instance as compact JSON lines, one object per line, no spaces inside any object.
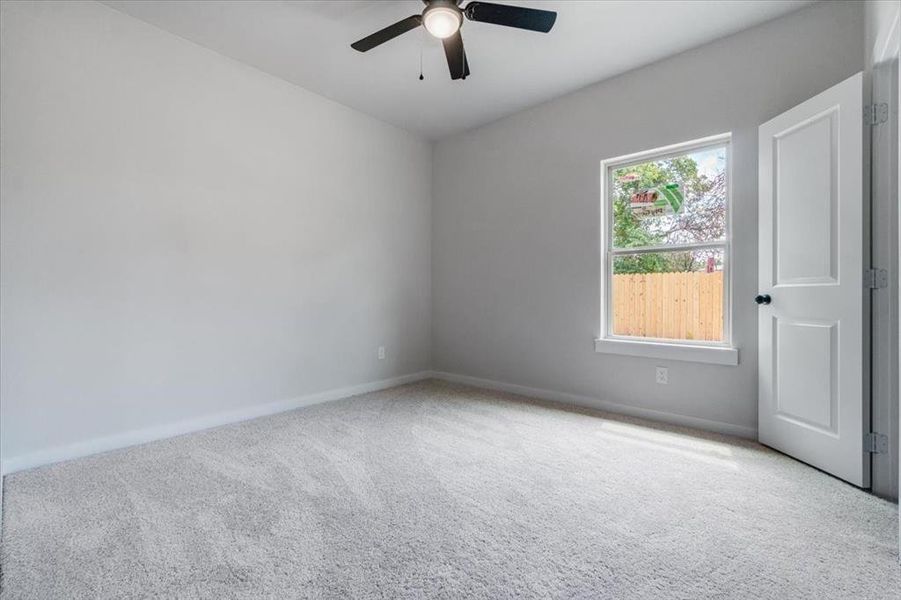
{"x":388,"y":33}
{"x":456,"y":56}
{"x":532,"y":19}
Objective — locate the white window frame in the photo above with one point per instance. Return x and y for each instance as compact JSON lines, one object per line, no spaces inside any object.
{"x":722,"y":353}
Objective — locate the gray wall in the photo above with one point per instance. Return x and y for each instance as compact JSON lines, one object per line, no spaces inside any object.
{"x":515,"y":248}
{"x":184,"y":235}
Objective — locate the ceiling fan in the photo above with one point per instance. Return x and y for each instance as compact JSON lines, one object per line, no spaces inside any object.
{"x":444,"y":18}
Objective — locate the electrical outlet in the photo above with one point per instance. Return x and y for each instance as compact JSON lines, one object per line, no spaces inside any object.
{"x":381,"y":353}
{"x":662,"y":375}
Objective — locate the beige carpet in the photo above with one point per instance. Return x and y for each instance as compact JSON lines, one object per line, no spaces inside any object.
{"x":439,"y":491}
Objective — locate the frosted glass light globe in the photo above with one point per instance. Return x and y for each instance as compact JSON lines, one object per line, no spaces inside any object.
{"x":442,"y":21}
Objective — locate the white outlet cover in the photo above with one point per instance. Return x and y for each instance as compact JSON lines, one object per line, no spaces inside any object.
{"x":381,"y":353}
{"x":662,"y":375}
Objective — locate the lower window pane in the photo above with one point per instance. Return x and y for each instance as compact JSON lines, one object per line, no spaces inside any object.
{"x":669,"y":295}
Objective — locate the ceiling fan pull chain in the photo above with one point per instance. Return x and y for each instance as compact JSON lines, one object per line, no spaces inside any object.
{"x":420,"y":62}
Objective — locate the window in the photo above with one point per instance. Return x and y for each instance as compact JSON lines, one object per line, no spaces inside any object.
{"x":665,"y":285}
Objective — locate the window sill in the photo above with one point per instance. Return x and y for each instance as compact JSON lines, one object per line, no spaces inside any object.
{"x":714,"y":355}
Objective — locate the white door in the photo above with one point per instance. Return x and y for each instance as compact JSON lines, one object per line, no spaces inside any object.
{"x":812,"y":308}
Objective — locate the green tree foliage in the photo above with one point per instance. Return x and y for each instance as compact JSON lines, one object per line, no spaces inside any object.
{"x":702,"y":217}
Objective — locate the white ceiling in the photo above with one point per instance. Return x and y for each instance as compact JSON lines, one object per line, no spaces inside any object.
{"x":308,"y":43}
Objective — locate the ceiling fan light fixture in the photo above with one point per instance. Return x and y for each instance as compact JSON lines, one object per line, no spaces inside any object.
{"x":442,"y":21}
{"x":444,"y":18}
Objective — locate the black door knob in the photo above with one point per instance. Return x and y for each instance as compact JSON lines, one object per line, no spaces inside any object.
{"x":763,"y":299}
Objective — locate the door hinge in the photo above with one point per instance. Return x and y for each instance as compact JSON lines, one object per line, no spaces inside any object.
{"x":875,"y":443}
{"x":875,"y":114}
{"x":875,"y":279}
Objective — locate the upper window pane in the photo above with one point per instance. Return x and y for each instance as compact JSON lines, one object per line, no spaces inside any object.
{"x":675,"y":200}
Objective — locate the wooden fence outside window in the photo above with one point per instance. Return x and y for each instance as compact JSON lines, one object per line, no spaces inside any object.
{"x":685,"y":306}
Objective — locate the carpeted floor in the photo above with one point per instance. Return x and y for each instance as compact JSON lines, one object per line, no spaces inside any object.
{"x":433,"y":490}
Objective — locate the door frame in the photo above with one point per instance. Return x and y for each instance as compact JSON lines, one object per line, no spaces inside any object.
{"x":886,"y":254}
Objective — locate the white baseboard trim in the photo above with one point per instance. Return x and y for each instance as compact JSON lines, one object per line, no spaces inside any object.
{"x":159,"y":432}
{"x":590,"y":402}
